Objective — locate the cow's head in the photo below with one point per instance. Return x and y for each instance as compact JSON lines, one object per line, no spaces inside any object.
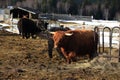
{"x":58,"y":36}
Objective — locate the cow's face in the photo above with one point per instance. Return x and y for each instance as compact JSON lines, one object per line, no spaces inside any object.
{"x":58,"y":36}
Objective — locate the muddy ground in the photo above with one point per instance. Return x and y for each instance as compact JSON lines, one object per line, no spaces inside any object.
{"x":27,"y":59}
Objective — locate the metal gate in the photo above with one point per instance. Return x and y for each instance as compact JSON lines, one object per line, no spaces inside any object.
{"x":111,"y":32}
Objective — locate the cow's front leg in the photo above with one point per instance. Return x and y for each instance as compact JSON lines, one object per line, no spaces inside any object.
{"x":72,"y":55}
{"x":65,"y":55}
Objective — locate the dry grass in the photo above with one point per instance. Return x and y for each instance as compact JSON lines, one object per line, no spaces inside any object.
{"x":27,"y":59}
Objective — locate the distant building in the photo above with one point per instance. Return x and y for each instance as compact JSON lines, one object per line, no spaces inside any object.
{"x":19,"y":12}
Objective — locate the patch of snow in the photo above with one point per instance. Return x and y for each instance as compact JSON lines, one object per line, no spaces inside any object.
{"x":13,"y":29}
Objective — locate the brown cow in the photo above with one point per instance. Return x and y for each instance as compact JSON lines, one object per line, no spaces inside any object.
{"x":76,"y":43}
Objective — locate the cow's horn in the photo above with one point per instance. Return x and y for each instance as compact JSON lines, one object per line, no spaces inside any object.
{"x":52,"y":32}
{"x":68,"y":34}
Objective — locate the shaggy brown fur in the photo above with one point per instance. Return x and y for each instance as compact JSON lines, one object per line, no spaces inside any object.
{"x":79,"y":43}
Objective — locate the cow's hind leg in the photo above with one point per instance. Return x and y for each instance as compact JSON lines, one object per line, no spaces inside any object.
{"x":34,"y":36}
{"x":92,"y":55}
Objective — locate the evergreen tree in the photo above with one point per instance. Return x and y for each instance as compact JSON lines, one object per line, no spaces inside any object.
{"x":100,"y":9}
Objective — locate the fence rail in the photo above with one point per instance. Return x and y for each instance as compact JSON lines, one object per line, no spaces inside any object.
{"x":111,"y":32}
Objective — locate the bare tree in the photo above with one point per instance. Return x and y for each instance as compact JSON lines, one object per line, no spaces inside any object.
{"x":106,"y":13}
{"x":67,"y":6}
{"x":88,"y":9}
{"x":58,"y":6}
{"x":18,"y":4}
{"x":117,"y":16}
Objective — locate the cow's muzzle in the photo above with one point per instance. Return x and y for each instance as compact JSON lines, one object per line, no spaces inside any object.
{"x":55,"y":46}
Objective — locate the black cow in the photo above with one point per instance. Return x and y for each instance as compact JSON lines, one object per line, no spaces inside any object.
{"x":28,"y":27}
{"x":53,"y":29}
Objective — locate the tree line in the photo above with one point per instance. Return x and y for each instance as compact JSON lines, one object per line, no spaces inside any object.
{"x":99,"y":9}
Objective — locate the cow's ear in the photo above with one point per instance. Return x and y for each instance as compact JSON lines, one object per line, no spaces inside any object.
{"x":52,"y":33}
{"x":68,"y":34}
